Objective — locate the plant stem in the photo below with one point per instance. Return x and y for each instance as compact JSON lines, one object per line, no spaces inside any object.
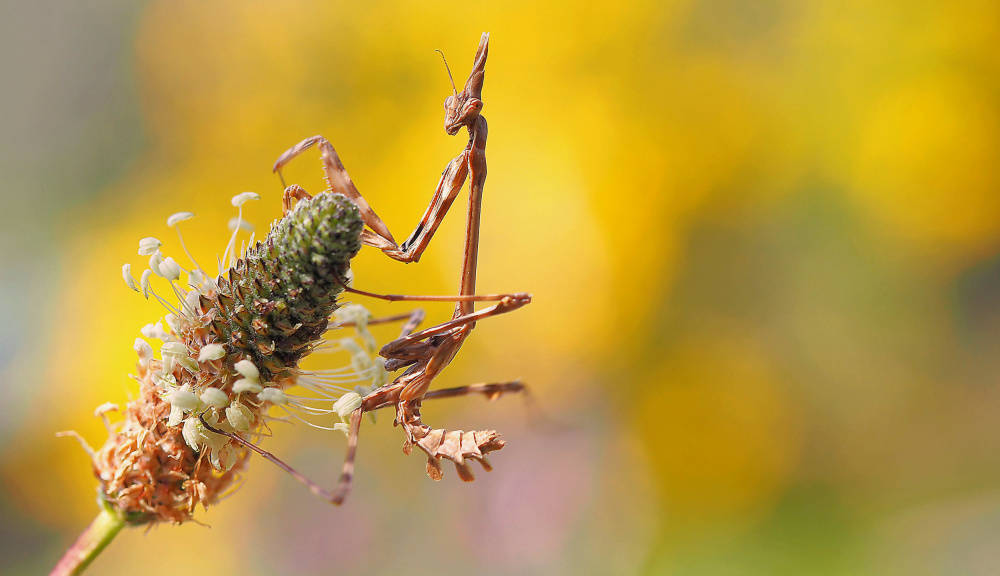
{"x":88,"y":545}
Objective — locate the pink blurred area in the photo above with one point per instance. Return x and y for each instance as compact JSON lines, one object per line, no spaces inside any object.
{"x":763,"y":241}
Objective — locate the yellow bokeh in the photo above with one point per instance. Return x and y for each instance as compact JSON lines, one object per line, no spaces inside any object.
{"x":761,"y":238}
{"x":926,"y":164}
{"x":721,"y":431}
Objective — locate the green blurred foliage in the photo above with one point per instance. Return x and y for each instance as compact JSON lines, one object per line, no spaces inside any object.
{"x":763,"y":240}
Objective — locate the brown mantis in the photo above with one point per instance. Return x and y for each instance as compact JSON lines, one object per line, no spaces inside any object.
{"x":425,"y":353}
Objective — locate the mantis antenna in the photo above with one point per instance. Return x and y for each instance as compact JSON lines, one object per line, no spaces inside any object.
{"x":453,"y":88}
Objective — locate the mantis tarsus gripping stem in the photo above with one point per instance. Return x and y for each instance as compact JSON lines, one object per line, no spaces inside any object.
{"x":427,"y":352}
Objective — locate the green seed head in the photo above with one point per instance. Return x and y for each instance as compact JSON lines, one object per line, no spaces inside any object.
{"x":276,"y":301}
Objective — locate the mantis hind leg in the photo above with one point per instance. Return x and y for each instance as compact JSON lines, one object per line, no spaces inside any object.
{"x":335,"y":496}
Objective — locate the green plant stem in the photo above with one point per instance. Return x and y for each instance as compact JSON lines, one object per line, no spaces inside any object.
{"x":88,"y":545}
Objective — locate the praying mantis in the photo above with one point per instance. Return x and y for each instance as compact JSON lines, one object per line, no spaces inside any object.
{"x":426,"y":353}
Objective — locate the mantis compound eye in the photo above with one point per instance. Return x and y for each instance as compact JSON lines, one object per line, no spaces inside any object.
{"x":448,"y":101}
{"x":471,"y":109}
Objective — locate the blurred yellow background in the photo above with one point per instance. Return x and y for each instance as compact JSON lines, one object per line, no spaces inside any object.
{"x":763,"y":240}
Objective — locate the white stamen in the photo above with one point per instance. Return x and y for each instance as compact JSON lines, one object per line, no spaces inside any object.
{"x":173,"y":349}
{"x":241,"y":199}
{"x":244,"y":385}
{"x":144,"y":350}
{"x":238,"y":201}
{"x":213,"y":440}
{"x":173,"y":322}
{"x":213,"y":457}
{"x":300,"y":403}
{"x":191,"y":434}
{"x":149,"y":331}
{"x":369,"y":340}
{"x":195,"y":278}
{"x":247,"y":369}
{"x":188,"y":363}
{"x":215,"y":398}
{"x":165,"y":380}
{"x":192,"y":303}
{"x":239,"y":416}
{"x":272,"y":395}
{"x":127,"y":275}
{"x":351,"y":346}
{"x":183,"y":398}
{"x":297,"y":417}
{"x":343,"y":314}
{"x":179,"y":217}
{"x":155,"y":260}
{"x":157,"y":332}
{"x":381,"y":377}
{"x":348,"y":403}
{"x":147,"y":246}
{"x":208,"y":285}
{"x":325,"y":389}
{"x":176,"y":416}
{"x":163,"y":334}
{"x":144,"y":282}
{"x":223,"y":459}
{"x":170,"y":269}
{"x":361,"y":363}
{"x":173,"y":221}
{"x":211,"y":352}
